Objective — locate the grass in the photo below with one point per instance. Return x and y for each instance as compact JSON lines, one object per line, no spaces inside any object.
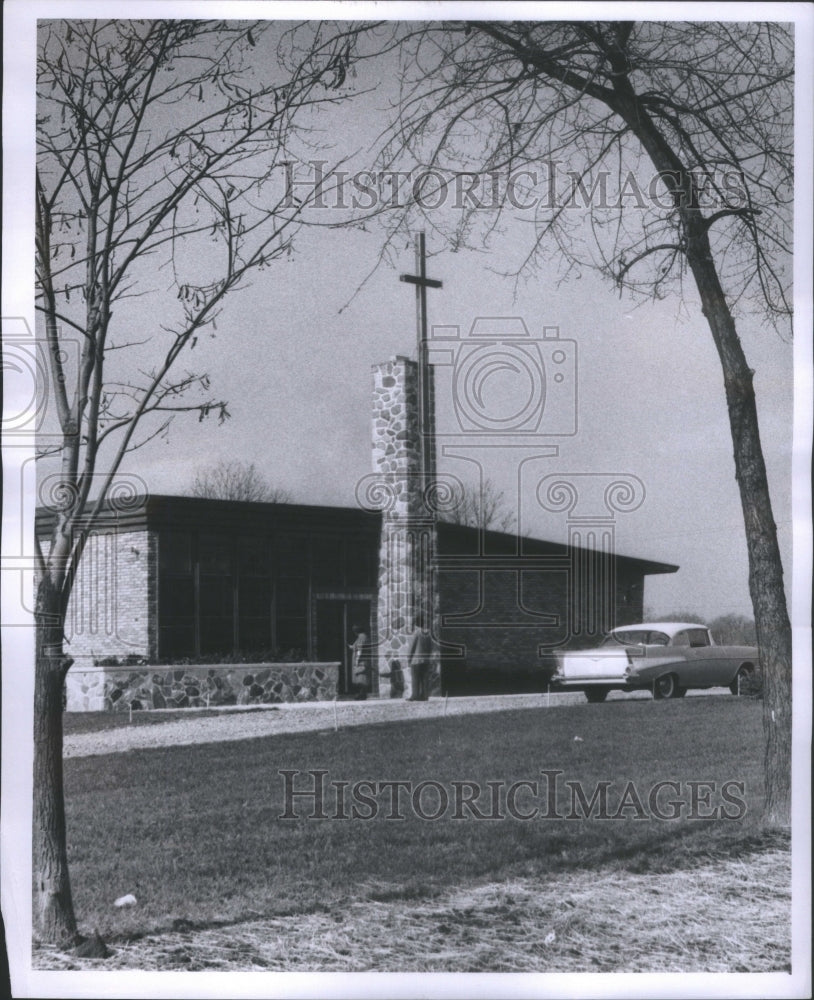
{"x":194,"y":831}
{"x":728,"y":915}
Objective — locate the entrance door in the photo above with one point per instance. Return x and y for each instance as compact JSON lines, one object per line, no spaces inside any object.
{"x":335,"y":621}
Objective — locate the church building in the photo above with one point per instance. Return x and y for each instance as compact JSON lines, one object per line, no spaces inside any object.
{"x":202,"y":586}
{"x":184,"y":601}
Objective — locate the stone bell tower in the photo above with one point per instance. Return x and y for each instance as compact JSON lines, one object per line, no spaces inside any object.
{"x":403,"y":488}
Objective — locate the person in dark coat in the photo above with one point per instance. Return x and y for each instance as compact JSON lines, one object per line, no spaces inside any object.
{"x":360,"y":667}
{"x":420,"y":660}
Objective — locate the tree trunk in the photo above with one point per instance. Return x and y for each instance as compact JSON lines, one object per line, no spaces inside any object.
{"x":54,"y":920}
{"x":765,"y":566}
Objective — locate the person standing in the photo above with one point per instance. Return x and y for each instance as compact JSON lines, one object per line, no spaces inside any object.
{"x":420,"y":661}
{"x":360,"y":666}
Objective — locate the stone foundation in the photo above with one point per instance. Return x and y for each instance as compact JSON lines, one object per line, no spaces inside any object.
{"x":118,"y":689}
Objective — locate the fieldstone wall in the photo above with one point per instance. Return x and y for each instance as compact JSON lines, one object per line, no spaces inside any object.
{"x":118,"y":689}
{"x":407,"y":554}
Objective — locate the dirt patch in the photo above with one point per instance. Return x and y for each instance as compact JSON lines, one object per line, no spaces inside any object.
{"x":727,"y":916}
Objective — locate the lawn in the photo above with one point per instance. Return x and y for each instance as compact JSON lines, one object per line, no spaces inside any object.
{"x":195,"y":833}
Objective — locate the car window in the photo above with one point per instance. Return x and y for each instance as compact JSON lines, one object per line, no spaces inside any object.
{"x":698,"y":637}
{"x":681,"y":639}
{"x":633,"y":637}
{"x":636,"y":637}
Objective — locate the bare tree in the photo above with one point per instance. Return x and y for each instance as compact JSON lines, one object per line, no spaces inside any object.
{"x":235,"y":480}
{"x":659,"y":154}
{"x":481,"y":508}
{"x":159,"y":145}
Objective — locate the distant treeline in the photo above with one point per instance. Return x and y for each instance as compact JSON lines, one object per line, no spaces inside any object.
{"x":727,"y":630}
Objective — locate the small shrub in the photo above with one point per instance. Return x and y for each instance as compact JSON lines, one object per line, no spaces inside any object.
{"x":264,"y":655}
{"x":131,"y":660}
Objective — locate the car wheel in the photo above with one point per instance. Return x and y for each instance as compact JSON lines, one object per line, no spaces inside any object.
{"x":741,"y":680}
{"x":595,"y":695}
{"x":666,"y":686}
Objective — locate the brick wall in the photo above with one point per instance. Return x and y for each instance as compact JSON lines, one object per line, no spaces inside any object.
{"x":113,"y":609}
{"x":500,"y":626}
{"x":497,"y":621}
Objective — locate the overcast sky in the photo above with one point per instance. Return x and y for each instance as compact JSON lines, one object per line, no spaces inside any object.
{"x":293,"y":357}
{"x":297,"y":375}
{"x":294,"y":352}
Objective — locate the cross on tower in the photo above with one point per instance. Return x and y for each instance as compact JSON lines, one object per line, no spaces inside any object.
{"x":422,"y":283}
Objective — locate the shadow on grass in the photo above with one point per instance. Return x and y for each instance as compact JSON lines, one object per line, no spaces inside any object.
{"x":672,"y":850}
{"x":681,"y":847}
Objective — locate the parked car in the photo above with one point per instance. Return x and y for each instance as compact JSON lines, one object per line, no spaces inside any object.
{"x":667,"y":658}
